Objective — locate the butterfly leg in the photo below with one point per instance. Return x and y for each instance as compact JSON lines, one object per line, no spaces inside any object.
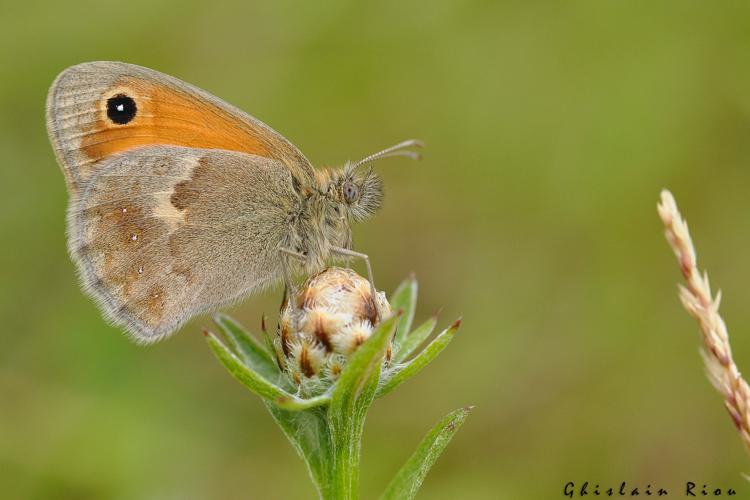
{"x":285,"y":255}
{"x":351,"y":253}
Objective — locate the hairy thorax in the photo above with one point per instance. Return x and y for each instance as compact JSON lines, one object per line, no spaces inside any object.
{"x":318,"y":227}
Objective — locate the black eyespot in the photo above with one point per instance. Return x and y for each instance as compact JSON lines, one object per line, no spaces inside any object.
{"x":351,"y":192}
{"x":121,"y":109}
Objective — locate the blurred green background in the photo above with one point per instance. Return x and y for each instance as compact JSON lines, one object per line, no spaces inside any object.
{"x":551,"y":127}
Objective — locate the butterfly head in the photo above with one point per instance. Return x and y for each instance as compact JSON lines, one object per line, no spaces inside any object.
{"x":359,"y":191}
{"x":359,"y":194}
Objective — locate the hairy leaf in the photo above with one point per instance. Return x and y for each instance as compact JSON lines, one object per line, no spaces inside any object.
{"x":409,"y":478}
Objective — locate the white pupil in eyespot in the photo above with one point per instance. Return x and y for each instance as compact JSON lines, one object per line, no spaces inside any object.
{"x":120,"y":108}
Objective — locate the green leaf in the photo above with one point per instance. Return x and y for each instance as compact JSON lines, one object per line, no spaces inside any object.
{"x":405,"y":299}
{"x":252,"y":352}
{"x":257,"y":383}
{"x":414,"y":340}
{"x":409,"y":478}
{"x":308,"y":433}
{"x":400,"y":373}
{"x":363,"y":367}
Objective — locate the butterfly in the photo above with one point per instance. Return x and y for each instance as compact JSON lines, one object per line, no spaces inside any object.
{"x":180,"y":203}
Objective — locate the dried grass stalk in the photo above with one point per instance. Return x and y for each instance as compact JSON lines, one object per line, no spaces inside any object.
{"x":697,"y":300}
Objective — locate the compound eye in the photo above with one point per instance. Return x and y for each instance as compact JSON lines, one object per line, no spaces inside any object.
{"x":351,"y":192}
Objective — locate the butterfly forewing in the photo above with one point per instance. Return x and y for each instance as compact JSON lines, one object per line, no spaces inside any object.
{"x":99,"y":109}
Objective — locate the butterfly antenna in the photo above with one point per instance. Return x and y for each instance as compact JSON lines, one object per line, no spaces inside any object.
{"x":395,"y":150}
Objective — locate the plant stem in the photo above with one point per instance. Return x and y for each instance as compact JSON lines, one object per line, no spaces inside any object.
{"x":330,"y":443}
{"x":346,"y":439}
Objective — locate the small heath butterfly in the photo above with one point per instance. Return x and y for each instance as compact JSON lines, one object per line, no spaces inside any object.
{"x":181,"y":203}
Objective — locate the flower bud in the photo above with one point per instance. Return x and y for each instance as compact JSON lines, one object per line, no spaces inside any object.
{"x":325,"y":322}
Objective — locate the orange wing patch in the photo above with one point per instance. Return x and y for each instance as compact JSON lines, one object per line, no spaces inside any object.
{"x":165,"y":116}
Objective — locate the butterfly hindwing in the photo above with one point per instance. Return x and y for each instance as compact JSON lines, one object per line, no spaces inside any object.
{"x":160,"y":234}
